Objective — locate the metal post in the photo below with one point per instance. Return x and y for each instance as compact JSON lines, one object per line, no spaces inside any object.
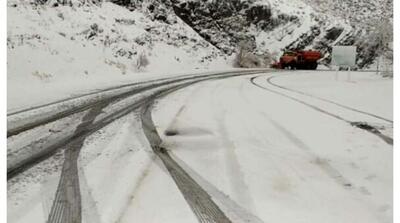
{"x":348,"y":74}
{"x":377,"y":65}
{"x":337,"y":73}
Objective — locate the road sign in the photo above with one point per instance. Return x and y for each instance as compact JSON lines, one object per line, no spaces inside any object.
{"x":344,"y":56}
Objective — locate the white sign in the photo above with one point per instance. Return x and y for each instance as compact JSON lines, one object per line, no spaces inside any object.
{"x":344,"y":56}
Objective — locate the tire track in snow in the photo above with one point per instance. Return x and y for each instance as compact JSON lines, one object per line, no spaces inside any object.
{"x":172,"y":127}
{"x":234,"y":171}
{"x":238,"y":213}
{"x":326,"y":100}
{"x":44,"y":149}
{"x":320,"y":162}
{"x":67,"y":205}
{"x":374,"y":131}
{"x":90,"y":212}
{"x":137,"y":187}
{"x":199,"y":201}
{"x":32,"y":122}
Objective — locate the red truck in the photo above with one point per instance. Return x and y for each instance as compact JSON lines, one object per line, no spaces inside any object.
{"x":306,"y":60}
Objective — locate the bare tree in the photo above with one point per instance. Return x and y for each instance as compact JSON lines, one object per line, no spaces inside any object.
{"x":382,"y":36}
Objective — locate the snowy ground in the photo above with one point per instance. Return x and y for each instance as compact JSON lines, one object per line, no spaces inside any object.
{"x":261,"y":157}
{"x":56,"y":52}
{"x":353,"y":92}
{"x":278,"y":159}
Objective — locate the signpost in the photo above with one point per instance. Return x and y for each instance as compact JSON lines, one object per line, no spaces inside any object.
{"x":344,"y":56}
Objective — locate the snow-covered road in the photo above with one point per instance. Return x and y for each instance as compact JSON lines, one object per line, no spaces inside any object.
{"x":279,"y":159}
{"x":275,"y":147}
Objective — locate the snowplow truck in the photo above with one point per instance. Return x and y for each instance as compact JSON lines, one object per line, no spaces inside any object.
{"x":304,"y":60}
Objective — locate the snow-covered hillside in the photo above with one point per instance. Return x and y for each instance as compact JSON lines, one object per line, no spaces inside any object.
{"x":278,"y":25}
{"x":54,"y":46}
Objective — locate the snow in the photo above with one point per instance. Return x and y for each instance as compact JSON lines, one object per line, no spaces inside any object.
{"x":119,"y":178}
{"x":260,"y":156}
{"x":279,"y":38}
{"x":277,"y":158}
{"x":56,"y":52}
{"x":308,"y":17}
{"x":362,"y":86}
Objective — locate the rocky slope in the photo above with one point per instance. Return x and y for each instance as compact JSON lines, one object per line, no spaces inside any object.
{"x":51,"y":38}
{"x":194,"y":32}
{"x":278,"y":25}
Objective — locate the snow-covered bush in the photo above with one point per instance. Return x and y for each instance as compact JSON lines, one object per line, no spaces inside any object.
{"x":118,"y":65}
{"x":246,"y":58}
{"x":141,"y":61}
{"x":42,"y":76}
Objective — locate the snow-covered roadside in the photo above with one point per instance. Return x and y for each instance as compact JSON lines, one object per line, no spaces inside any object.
{"x":276,"y":158}
{"x":359,"y":98}
{"x":365,"y":90}
{"x":23,"y":95}
{"x":56,"y":52}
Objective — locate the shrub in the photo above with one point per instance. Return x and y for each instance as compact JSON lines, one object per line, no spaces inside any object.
{"x":141,"y":61}
{"x":247,"y":59}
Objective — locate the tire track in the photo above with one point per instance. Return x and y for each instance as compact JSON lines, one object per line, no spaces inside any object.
{"x":67,"y":203}
{"x":324,"y":165}
{"x":67,"y":206}
{"x":372,"y":130}
{"x":198,"y":199}
{"x":43,"y":150}
{"x":326,"y":100}
{"x":31,"y":122}
{"x":234,"y":171}
{"x":47,"y":150}
{"x":238,"y":212}
{"x":92,"y":93}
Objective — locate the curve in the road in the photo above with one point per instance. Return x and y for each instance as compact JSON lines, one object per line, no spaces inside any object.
{"x":67,"y":203}
{"x":374,"y":131}
{"x":32,"y":123}
{"x":49,"y":150}
{"x":87,"y":94}
{"x":325,"y":100}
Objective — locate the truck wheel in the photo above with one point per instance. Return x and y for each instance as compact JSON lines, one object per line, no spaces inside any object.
{"x":314,"y":66}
